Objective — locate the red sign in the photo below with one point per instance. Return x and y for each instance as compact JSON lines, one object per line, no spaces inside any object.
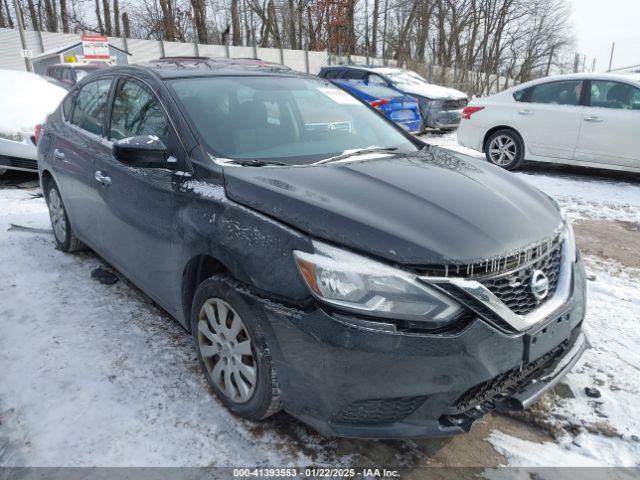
{"x":95,"y":47}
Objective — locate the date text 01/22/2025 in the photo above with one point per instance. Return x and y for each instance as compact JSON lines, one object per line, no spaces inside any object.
{"x":315,"y":472}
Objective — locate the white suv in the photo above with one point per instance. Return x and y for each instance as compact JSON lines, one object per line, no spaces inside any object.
{"x":582,"y":119}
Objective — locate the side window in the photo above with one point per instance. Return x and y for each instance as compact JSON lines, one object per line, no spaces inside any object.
{"x":558,"y":93}
{"x":520,"y":95}
{"x":608,"y":94}
{"x":137,"y":111}
{"x":67,"y":74}
{"x":91,"y":106}
{"x":376,"y":80}
{"x":332,"y":74}
{"x":352,"y":74}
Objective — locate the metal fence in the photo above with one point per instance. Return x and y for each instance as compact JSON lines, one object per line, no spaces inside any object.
{"x":301,"y":60}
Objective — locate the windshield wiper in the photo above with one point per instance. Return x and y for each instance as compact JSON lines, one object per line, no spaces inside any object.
{"x":258,"y":163}
{"x":354,"y":153}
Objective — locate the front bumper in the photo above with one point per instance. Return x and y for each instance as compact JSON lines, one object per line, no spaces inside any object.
{"x":349,"y":377}
{"x":443,"y":119}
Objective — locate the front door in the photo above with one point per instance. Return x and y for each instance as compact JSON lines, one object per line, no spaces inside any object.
{"x":137,"y":219}
{"x":549,"y":118}
{"x":611,"y":125}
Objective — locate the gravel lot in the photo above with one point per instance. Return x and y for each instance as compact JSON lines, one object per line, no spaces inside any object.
{"x":96,"y":375}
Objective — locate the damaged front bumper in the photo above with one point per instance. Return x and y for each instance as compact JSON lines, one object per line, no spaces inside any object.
{"x":351,"y":377}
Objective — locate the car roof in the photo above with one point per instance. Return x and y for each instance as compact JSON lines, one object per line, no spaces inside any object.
{"x":181,"y":67}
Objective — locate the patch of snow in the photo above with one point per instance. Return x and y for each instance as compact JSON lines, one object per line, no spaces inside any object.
{"x":205,"y":189}
{"x":581,"y":451}
{"x":96,"y":375}
{"x":25,"y":100}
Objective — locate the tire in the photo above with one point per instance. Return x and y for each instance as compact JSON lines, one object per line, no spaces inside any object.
{"x":505,"y":149}
{"x":225,"y":356}
{"x":65,"y":239}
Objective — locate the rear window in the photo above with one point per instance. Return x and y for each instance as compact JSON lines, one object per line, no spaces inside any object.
{"x":377,"y":90}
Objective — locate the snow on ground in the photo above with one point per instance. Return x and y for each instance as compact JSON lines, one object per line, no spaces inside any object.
{"x":84,"y":366}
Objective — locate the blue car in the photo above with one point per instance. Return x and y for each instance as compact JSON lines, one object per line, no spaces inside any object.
{"x":397,"y":107}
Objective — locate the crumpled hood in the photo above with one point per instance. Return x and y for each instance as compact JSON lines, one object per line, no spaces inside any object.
{"x":433,"y":92}
{"x":431,"y":207}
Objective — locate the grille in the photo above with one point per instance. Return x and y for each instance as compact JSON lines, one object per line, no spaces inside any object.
{"x":18,"y":162}
{"x":455,"y":104}
{"x":514,"y":289}
{"x":508,"y":277}
{"x":376,"y":411}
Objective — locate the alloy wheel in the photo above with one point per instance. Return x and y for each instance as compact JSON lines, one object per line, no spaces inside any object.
{"x":503,"y":150}
{"x":58,"y":216}
{"x":226,"y":349}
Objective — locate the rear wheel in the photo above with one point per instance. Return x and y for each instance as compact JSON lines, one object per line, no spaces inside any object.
{"x":62,"y":232}
{"x":505,"y":149}
{"x":232,"y":350}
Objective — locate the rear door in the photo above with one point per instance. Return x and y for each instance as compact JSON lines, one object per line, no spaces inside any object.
{"x":73,"y":148}
{"x":549,"y":118}
{"x":611,"y":125}
{"x":137,"y":220}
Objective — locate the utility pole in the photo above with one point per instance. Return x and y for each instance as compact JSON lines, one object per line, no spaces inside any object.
{"x":366,"y":30}
{"x":613,"y":47}
{"x":23,"y":40}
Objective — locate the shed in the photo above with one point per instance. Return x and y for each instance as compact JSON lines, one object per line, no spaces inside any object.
{"x":73,"y":53}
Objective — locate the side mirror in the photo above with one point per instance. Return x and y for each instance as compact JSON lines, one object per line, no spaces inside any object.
{"x":142,"y":151}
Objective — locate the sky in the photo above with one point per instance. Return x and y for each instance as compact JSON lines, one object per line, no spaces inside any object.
{"x":599,"y":23}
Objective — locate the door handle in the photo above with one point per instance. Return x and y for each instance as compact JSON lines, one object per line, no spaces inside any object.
{"x":58,"y":154}
{"x":593,"y":119}
{"x":525,"y":112}
{"x":102,"y":178}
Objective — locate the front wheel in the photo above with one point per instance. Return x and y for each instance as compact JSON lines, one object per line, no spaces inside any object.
{"x":232,"y":350}
{"x":505,"y":149}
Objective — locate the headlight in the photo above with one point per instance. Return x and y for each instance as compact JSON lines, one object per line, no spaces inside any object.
{"x":358,"y":284}
{"x":435,"y":103}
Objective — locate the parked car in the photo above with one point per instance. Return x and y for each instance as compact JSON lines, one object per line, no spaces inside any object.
{"x":56,"y":82}
{"x":72,"y":73}
{"x":329,"y":272}
{"x":25,"y":100}
{"x":397,"y":107}
{"x":440,"y":107}
{"x":589,"y":120}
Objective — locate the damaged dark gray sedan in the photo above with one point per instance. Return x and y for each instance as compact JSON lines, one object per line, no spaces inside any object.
{"x":325,"y":262}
